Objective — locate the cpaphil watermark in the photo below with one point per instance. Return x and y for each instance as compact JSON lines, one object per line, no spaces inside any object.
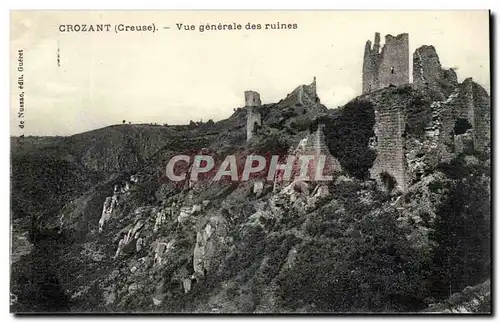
{"x":235,"y":168}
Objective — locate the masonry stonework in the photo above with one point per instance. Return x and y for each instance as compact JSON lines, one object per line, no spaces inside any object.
{"x":390,"y":160}
{"x":316,"y":145}
{"x":254,"y":119}
{"x":482,"y":118}
{"x":460,"y":112}
{"x":427,"y":71}
{"x":252,"y":99}
{"x":387,"y":66}
{"x":469,"y":103}
{"x":303,"y":95}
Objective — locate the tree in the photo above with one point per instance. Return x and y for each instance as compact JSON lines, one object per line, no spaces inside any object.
{"x":462,"y":233}
{"x":347,"y":137}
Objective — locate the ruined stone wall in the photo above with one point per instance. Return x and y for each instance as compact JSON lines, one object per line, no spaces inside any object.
{"x":459,"y":113}
{"x":428,"y":72}
{"x":304,"y":95}
{"x":389,"y":130}
{"x":253,"y":119}
{"x":440,"y":131}
{"x":466,"y":108}
{"x":482,"y":119}
{"x":395,"y":61}
{"x":252,"y":100}
{"x":319,"y":142}
{"x":370,"y":65}
{"x":390,"y":66}
{"x":319,"y":147}
{"x":310,"y":91}
{"x":315,"y":145}
{"x":469,"y":102}
{"x":466,"y":101}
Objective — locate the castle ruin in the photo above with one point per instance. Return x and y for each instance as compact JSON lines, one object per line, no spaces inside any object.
{"x":452,"y":117}
{"x":389,"y":167}
{"x":459,"y":113}
{"x":302,"y":95}
{"x":387,"y":66}
{"x":254,"y":119}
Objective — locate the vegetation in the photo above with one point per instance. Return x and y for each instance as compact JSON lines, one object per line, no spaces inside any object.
{"x":359,"y":249}
{"x":348,"y":135}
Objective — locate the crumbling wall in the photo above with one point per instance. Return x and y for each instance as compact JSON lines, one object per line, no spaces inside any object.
{"x":412,"y":138}
{"x":482,"y":118}
{"x":395,"y":61}
{"x":315,"y":145}
{"x":304,"y":95}
{"x":370,"y":65}
{"x":309,"y":92}
{"x":468,"y":103}
{"x":390,"y":159}
{"x":473,"y":105}
{"x":428,"y":72}
{"x":252,"y":100}
{"x":390,"y":66}
{"x":321,"y":149}
{"x":459,"y":102}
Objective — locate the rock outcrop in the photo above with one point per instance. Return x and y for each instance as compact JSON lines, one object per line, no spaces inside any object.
{"x":107,"y":209}
{"x":112,"y":201}
{"x":161,"y":250}
{"x":210,"y":241}
{"x":129,"y":241}
{"x":305,"y":245}
{"x":476,"y":299}
{"x":303,"y":95}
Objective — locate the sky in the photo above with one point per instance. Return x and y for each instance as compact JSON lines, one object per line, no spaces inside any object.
{"x":174,"y":76}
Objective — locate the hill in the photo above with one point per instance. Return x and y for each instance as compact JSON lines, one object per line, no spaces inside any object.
{"x":404,"y":223}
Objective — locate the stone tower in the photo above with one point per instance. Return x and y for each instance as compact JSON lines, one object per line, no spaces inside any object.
{"x":252,"y":100}
{"x":387,"y":66}
{"x":390,"y":161}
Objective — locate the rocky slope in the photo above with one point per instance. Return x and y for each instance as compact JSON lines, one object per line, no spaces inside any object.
{"x":106,"y":234}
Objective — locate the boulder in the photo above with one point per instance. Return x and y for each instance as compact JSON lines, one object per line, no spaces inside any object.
{"x":161,"y":218}
{"x":258,"y":187}
{"x":138,"y":245}
{"x":161,"y":249}
{"x":133,"y":287}
{"x":109,"y":296}
{"x":186,"y":284}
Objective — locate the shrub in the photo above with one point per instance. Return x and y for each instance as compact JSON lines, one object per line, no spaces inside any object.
{"x":347,"y":137}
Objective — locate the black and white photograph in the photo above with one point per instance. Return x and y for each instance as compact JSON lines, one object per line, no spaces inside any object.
{"x":250,"y":162}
